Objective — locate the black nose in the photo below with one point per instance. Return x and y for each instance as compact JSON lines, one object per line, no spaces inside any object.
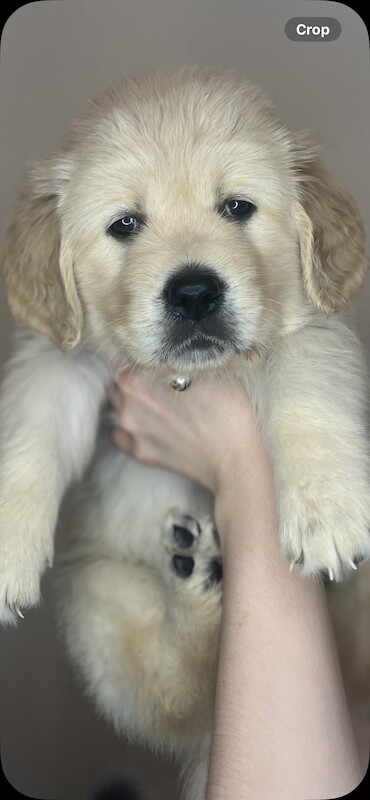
{"x":194,"y":295}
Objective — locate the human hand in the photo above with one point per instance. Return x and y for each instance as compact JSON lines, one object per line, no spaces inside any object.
{"x":203,"y":433}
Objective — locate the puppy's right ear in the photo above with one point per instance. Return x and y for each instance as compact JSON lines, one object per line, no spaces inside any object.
{"x":37,"y":263}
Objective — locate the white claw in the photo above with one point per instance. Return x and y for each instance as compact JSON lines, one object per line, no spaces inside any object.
{"x":352,"y":564}
{"x":18,"y":611}
{"x":291,"y":566}
{"x":331,"y":573}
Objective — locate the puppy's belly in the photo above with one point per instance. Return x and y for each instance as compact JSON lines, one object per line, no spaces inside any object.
{"x":120,"y":507}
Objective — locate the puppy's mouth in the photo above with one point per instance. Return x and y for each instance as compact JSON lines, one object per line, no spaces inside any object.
{"x":199,"y":349}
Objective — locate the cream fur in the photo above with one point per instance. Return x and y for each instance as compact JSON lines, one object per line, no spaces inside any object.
{"x":175,"y":146}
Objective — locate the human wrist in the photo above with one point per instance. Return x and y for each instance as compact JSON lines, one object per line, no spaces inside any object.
{"x":245,"y":494}
{"x":244,"y":489}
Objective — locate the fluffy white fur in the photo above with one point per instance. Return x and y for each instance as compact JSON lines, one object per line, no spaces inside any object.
{"x":175,"y":147}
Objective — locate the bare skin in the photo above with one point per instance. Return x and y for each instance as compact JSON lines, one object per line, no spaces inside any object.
{"x":283,"y":728}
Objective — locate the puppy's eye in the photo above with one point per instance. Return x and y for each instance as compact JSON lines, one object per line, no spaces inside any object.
{"x":124,"y":227}
{"x":238,"y":209}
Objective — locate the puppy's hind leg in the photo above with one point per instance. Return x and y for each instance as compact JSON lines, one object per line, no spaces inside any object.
{"x":146,"y":642}
{"x":192,"y":571}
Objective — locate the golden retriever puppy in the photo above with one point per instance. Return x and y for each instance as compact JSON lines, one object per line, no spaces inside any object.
{"x":183,"y":228}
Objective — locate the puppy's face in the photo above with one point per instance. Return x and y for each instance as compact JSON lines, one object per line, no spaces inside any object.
{"x":181,"y":224}
{"x":182,"y":228}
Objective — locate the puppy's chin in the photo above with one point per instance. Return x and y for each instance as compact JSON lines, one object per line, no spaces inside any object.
{"x":198,"y":356}
{"x":189,"y":357}
{"x":198,"y":360}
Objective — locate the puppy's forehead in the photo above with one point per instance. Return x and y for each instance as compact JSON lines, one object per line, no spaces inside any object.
{"x":198,"y":140}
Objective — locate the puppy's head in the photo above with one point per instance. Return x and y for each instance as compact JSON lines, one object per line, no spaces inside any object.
{"x":179,"y":224}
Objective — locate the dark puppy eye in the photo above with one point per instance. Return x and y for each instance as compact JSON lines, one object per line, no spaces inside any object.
{"x":238,"y":209}
{"x":124,"y":227}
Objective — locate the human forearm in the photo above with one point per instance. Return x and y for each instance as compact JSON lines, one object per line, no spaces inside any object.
{"x":282,"y":726}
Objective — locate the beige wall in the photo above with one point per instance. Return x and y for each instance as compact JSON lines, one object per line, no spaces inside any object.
{"x":54,"y":56}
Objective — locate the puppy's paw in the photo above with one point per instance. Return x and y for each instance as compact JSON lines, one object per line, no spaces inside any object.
{"x":326,"y":533}
{"x":26,"y":549}
{"x":20,"y":590}
{"x":192,"y":551}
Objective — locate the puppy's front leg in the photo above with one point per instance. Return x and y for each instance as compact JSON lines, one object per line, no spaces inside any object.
{"x":314,"y":422}
{"x":48,"y":413}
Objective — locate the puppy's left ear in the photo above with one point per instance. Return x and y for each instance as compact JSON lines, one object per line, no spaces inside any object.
{"x":36,"y":262}
{"x":331,"y":235}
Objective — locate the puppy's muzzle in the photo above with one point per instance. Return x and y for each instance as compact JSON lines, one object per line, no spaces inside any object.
{"x":198,"y":325}
{"x":193,"y":295}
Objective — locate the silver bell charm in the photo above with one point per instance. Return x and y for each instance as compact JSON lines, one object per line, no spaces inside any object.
{"x":180,"y":384}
